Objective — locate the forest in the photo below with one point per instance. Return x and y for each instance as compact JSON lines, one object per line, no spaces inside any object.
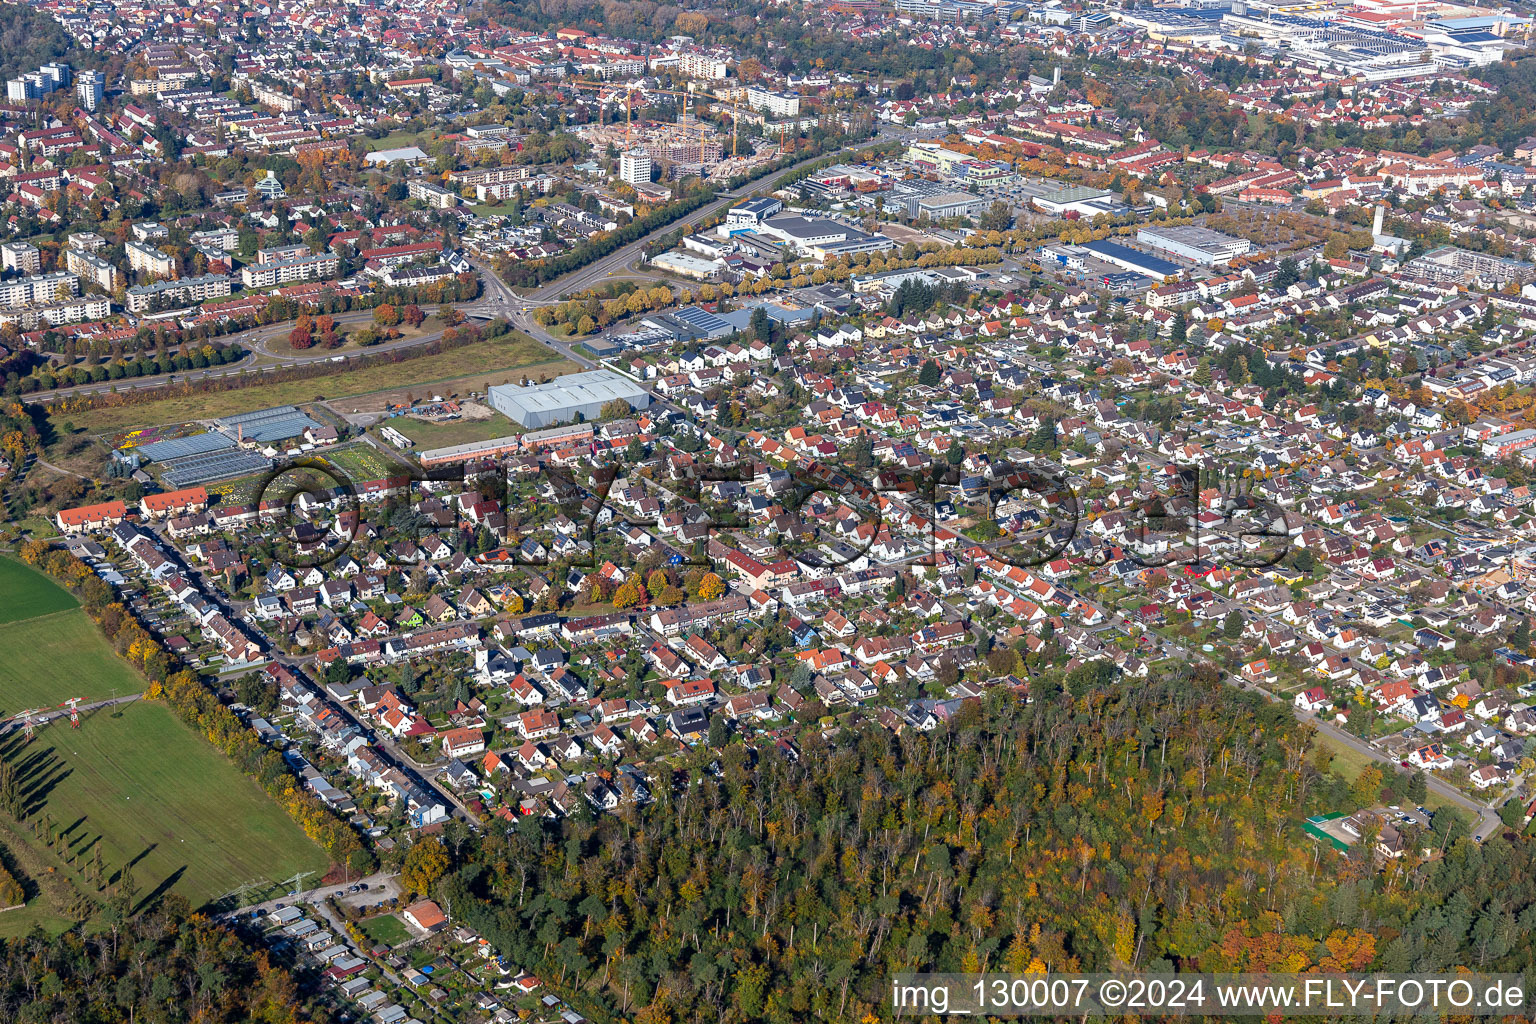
{"x":1115,"y":823}
{"x":165,"y":966}
{"x":29,"y":38}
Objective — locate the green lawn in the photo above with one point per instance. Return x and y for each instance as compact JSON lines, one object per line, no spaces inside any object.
{"x":386,"y":930}
{"x":26,"y":593}
{"x":451,"y":432}
{"x":143,"y":786}
{"x":48,"y":659}
{"x":399,"y":139}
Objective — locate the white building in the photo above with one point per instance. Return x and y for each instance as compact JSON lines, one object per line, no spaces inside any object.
{"x":89,"y":267}
{"x":91,"y":89}
{"x":70,"y":311}
{"x":635,"y":167}
{"x":227,"y":239}
{"x":1201,"y":245}
{"x":286,"y":264}
{"x":188,"y":289}
{"x":701,"y":65}
{"x":21,"y":256}
{"x":38,"y":289}
{"x":149,"y":260}
{"x":435,"y":196}
{"x":688,"y":265}
{"x":775,"y":104}
{"x":750,"y":215}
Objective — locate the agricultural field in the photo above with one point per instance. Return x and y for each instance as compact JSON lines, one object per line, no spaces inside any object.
{"x":514,"y":351}
{"x":50,"y":658}
{"x":132,"y":781}
{"x":28,"y":593}
{"x":136,"y":782}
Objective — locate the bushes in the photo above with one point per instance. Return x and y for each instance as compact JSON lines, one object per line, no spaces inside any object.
{"x":11,"y":892}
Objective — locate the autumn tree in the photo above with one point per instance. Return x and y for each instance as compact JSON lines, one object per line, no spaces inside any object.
{"x":425,"y":862}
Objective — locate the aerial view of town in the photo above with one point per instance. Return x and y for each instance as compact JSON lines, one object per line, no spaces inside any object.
{"x":567,"y":511}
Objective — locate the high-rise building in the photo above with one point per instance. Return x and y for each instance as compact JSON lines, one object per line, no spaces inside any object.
{"x":21,"y":256}
{"x":635,"y":167}
{"x":91,"y":89}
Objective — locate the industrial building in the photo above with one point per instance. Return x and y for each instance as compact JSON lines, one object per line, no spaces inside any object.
{"x":953,"y":204}
{"x":1134,"y":260}
{"x":750,"y":215}
{"x":1079,"y":199}
{"x":563,"y":400}
{"x":1200,"y":245}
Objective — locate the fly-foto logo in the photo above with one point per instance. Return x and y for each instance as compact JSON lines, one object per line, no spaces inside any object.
{"x":538,"y":510}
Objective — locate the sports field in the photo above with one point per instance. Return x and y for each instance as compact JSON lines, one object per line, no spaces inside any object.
{"x":25,"y":592}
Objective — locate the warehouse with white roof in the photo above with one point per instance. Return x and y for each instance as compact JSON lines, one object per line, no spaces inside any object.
{"x":564,"y":399}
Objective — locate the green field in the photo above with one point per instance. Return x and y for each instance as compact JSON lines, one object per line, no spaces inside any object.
{"x":27,"y":593}
{"x":511,"y":351}
{"x":451,"y":432}
{"x":139,"y":783}
{"x":50,"y":658}
{"x":133,"y":780}
{"x":387,"y":930}
{"x":399,"y":140}
{"x":1349,"y":762}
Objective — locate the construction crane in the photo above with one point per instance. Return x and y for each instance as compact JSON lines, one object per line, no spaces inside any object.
{"x":74,"y":711}
{"x":28,"y":724}
{"x":698,"y":95}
